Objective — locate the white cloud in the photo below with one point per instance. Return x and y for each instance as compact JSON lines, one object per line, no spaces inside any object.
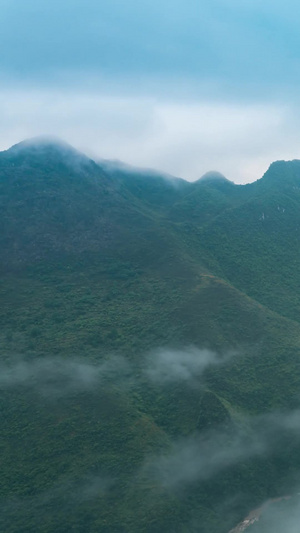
{"x":179,"y":137}
{"x":56,"y":377}
{"x":168,"y":365}
{"x":198,"y":458}
{"x":204,"y":455}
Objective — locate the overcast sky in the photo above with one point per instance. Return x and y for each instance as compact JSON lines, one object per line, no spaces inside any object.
{"x":182,"y":86}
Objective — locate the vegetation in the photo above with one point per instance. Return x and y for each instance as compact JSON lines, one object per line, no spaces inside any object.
{"x":101,"y":270}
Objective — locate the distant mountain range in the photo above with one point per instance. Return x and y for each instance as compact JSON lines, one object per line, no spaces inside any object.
{"x":150,"y":344}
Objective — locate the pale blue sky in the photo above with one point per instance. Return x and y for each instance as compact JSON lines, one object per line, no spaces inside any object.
{"x":225,"y":72}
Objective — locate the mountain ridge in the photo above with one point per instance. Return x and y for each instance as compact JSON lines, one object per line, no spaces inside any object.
{"x":41,"y":143}
{"x":111,"y":280}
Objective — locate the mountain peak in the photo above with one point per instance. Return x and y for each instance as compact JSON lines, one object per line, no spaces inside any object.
{"x":282,"y":173}
{"x":42,"y":144}
{"x":48,"y":148}
{"x":213,"y":176}
{"x":39,"y":141}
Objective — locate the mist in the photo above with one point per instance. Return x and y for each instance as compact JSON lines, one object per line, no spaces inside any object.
{"x":187,"y":365}
{"x":196,"y":457}
{"x":181,"y":137}
{"x":57,"y":377}
{"x":202,"y":95}
{"x":201,"y":457}
{"x":184,"y":461}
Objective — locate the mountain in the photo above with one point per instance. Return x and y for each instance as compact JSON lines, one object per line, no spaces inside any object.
{"x":149,"y":344}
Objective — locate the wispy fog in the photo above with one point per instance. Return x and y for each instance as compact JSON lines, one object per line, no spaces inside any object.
{"x":56,"y":376}
{"x":185,"y":138}
{"x":167,"y":365}
{"x":193,"y":458}
{"x":183,"y":461}
{"x":201,"y":457}
{"x":216,"y":88}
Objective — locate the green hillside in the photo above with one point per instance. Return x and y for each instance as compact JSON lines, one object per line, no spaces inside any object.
{"x":149,"y":345}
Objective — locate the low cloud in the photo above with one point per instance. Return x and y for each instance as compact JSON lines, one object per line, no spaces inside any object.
{"x":196,"y":458}
{"x":58,"y":377}
{"x":167,"y":365}
{"x":182,"y":137}
{"x":200,"y":457}
{"x":55,"y":376}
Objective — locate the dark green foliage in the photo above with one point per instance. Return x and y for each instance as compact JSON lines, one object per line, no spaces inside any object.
{"x":97,"y":263}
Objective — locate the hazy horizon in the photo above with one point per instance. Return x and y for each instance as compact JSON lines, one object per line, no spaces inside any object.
{"x":113,"y":162}
{"x":179,"y":87}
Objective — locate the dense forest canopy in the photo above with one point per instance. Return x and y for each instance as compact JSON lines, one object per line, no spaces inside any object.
{"x":150,"y":342}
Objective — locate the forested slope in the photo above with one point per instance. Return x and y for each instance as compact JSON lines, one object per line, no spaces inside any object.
{"x":149,"y":344}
